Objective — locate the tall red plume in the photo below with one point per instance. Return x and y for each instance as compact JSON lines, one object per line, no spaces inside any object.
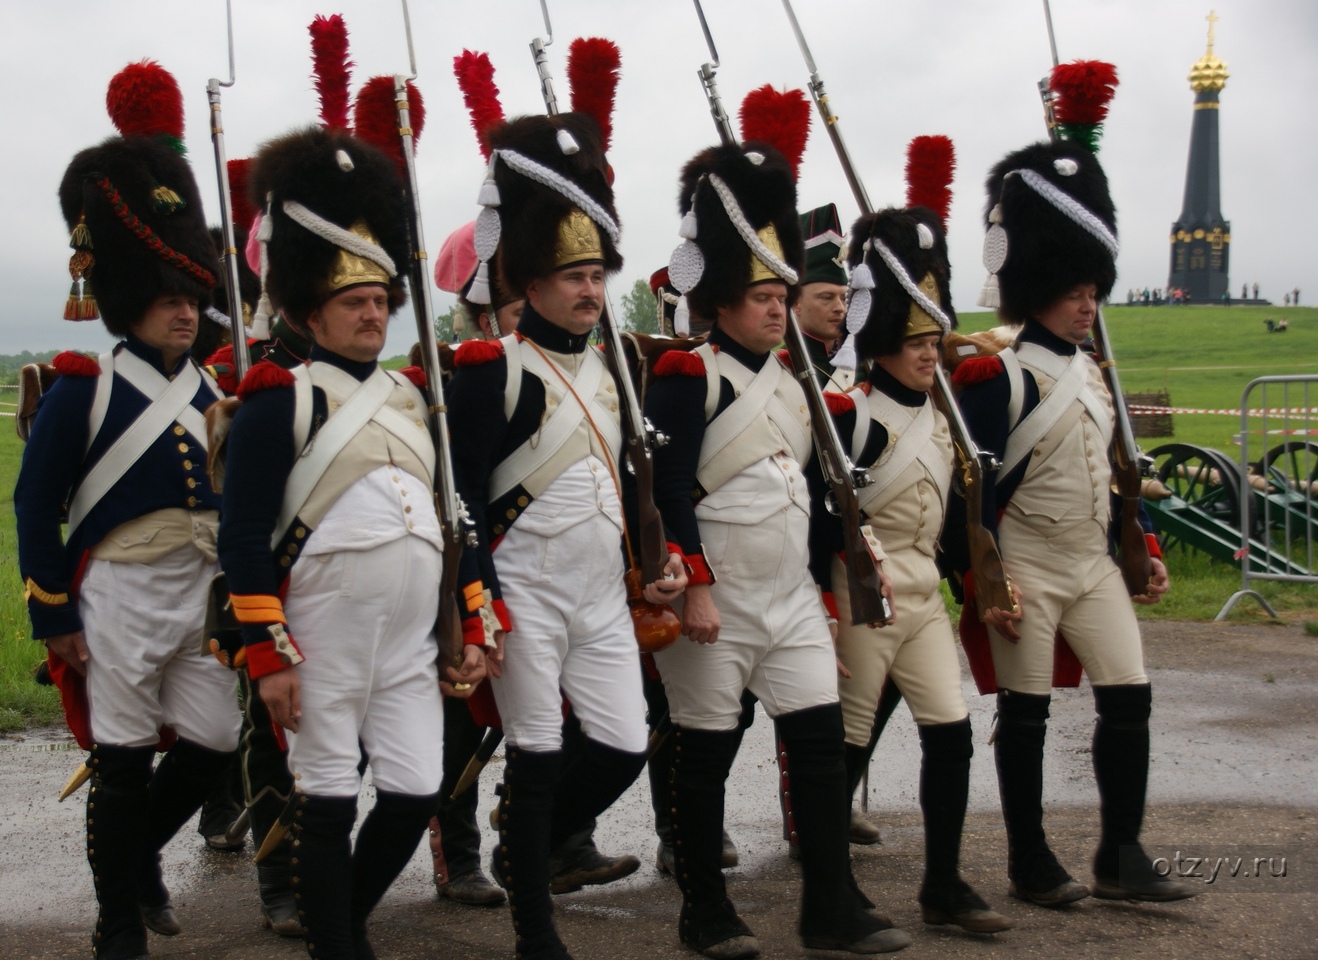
{"x":475,"y":76}
{"x":1084,"y":89}
{"x":592,"y":74}
{"x":375,"y":117}
{"x":244,"y":211}
{"x":332,"y":69}
{"x":144,"y":100}
{"x":930,"y":162}
{"x":782,"y":119}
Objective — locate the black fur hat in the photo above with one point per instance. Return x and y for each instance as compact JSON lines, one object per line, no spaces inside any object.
{"x":340,"y":179}
{"x":530,"y":212}
{"x":761,"y":181}
{"x":135,"y":215}
{"x":916,"y":238}
{"x":1047,"y":251}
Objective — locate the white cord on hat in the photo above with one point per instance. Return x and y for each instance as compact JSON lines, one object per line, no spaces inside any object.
{"x":733,"y":210}
{"x":1072,"y":207}
{"x":344,"y":239}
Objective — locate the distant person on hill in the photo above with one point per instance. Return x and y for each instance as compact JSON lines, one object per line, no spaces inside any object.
{"x":1269,"y":324}
{"x":1296,"y":298}
{"x":1288,"y":299}
{"x":1256,"y":289}
{"x":1282,"y":325}
{"x":1244,"y":291}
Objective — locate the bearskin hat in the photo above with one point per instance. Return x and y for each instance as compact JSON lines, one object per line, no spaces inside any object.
{"x":337,"y":178}
{"x":132,"y":204}
{"x":761,"y":184}
{"x":1033,"y":196}
{"x":915,"y":238}
{"x":567,"y":151}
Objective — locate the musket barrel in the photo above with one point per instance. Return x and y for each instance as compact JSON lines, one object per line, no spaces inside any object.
{"x":241,"y":359}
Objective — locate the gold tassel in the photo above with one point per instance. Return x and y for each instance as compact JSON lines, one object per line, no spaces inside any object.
{"x":81,"y":237}
{"x":73,"y":305}
{"x":166,"y":200}
{"x":88,"y":309}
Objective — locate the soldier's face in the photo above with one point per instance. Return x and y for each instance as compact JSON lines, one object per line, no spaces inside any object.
{"x":914,"y":365}
{"x":353,"y":323}
{"x":571,"y":298}
{"x":169,"y":325}
{"x":821,"y":310}
{"x":1071,"y":316}
{"x":759,"y":321}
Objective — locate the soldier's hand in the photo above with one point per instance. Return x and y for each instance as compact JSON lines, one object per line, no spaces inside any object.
{"x":471,"y":672}
{"x":72,"y":649}
{"x":1159,"y":583}
{"x":885,"y":588}
{"x":494,"y":658}
{"x":670,"y":588}
{"x":1004,"y":621}
{"x":281,"y":692}
{"x":700,"y":619}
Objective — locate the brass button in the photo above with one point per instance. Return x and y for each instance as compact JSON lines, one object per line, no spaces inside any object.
{"x":511,"y":514}
{"x":420,"y":423}
{"x":192,"y":484}
{"x":192,"y":501}
{"x":285,"y":562}
{"x":334,"y":404}
{"x":498,"y":529}
{"x":522,"y":501}
{"x":292,"y":548}
{"x":182,"y":448}
{"x":300,"y":532}
{"x":178,"y":430}
{"x":187,"y":464}
{"x":411,"y":405}
{"x":407,"y":509}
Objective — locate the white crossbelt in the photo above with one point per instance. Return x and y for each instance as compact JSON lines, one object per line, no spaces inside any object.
{"x":757,"y":396}
{"x":170,"y":402}
{"x":1071,"y":384}
{"x":558,"y":428}
{"x":904,"y":448}
{"x":353,"y":414}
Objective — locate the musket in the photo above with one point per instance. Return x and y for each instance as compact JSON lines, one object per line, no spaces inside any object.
{"x":241,"y":360}
{"x":456,"y":528}
{"x":992,"y":587}
{"x":1129,"y":464}
{"x":639,"y":436}
{"x":868,"y":604}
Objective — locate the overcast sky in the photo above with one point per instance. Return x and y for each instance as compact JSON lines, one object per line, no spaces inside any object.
{"x":964,"y":68}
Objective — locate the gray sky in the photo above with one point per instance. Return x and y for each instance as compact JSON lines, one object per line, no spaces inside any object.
{"x":964,"y":68}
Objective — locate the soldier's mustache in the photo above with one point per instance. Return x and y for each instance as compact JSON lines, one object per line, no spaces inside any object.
{"x":588,"y":302}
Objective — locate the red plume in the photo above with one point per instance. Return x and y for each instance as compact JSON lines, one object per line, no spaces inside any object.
{"x":592,"y":74}
{"x":929,"y":165}
{"x":1084,"y":89}
{"x":782,"y":119}
{"x":244,"y":211}
{"x":332,"y":68}
{"x":375,"y":117}
{"x":475,"y":76}
{"x":144,"y":100}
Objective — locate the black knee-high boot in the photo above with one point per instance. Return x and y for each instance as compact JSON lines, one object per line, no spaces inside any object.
{"x":1122,"y":870}
{"x":594,"y":776}
{"x":526,"y":812}
{"x":185,"y":776}
{"x":944,"y":792}
{"x":116,"y":845}
{"x":322,"y":874}
{"x":833,"y":914}
{"x":1035,"y":874}
{"x":708,"y":921}
{"x":388,"y":838}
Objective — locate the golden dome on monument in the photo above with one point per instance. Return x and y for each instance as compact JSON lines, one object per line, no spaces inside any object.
{"x":1208,"y":72}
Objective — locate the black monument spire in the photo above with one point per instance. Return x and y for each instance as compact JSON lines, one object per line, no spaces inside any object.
{"x":1201,"y":237}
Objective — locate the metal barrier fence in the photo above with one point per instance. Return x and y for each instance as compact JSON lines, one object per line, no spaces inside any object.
{"x":1279,"y":483}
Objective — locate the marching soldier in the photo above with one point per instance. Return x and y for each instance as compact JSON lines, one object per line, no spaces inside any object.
{"x":536,"y":443}
{"x":732,"y":489}
{"x":895,"y":432}
{"x":121,"y":601}
{"x":1043,"y":409}
{"x":330,"y":482}
{"x":822,"y":304}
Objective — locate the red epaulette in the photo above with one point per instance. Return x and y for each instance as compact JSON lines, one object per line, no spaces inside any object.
{"x":223,"y":355}
{"x":838,"y":403}
{"x":680,"y":363}
{"x":71,"y":364}
{"x":471,"y":353}
{"x":977,"y":370}
{"x":416,"y":375}
{"x":264,"y":376}
{"x":785,"y":358}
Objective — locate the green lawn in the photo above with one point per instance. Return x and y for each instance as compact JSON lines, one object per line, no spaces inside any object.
{"x":1203,"y":356}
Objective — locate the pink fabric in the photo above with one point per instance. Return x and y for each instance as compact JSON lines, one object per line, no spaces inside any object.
{"x":457,"y":259}
{"x":253,"y":249}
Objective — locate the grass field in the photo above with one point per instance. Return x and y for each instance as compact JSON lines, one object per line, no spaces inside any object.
{"x":1203,"y":356}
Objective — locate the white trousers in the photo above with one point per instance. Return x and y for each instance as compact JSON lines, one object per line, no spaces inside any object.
{"x":364,"y":620}
{"x":143,"y":625}
{"x":918,"y":652}
{"x":1069,"y":583}
{"x":571,"y":637}
{"x":773,"y":638}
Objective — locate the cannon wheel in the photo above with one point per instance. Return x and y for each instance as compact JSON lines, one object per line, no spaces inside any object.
{"x":1204,"y":478}
{"x":1294,"y":463}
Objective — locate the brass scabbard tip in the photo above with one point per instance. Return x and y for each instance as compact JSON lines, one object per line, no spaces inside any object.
{"x":80,"y":776}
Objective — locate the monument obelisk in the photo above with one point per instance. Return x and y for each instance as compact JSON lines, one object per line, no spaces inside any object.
{"x":1201,"y":237}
